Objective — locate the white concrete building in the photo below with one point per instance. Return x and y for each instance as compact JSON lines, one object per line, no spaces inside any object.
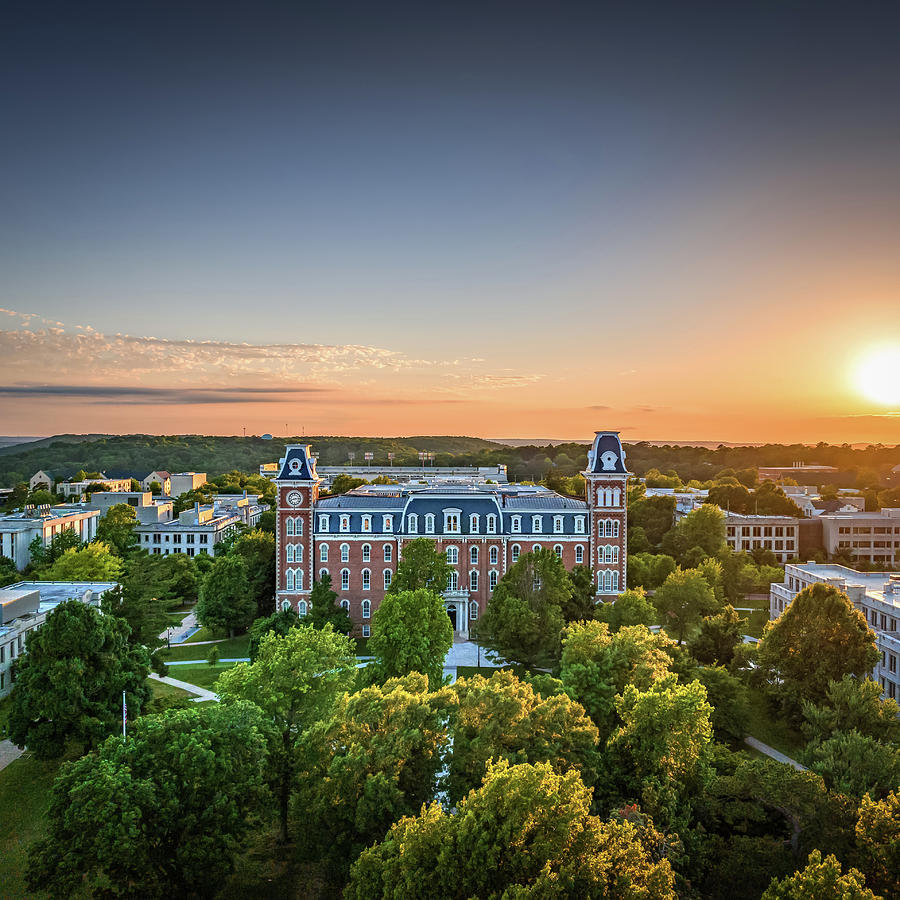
{"x":18,"y":530}
{"x":405,"y":474}
{"x":24,"y":607}
{"x":247,"y":506}
{"x":875,"y":594}
{"x":872,"y":536}
{"x":196,"y":530}
{"x":147,"y":510}
{"x":182,"y":482}
{"x":74,"y":490}
{"x":780,"y":534}
{"x":686,"y":499}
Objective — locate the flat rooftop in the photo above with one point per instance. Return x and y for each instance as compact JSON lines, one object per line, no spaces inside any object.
{"x":872,"y":582}
{"x":56,"y":592}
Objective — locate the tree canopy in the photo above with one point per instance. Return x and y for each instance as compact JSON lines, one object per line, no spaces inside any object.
{"x":116,"y":528}
{"x":421,"y":566}
{"x":225,"y":598}
{"x":93,"y":562}
{"x":682,"y":600}
{"x":324,"y":609}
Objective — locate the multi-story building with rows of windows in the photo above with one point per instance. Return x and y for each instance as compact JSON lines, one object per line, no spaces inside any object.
{"x":358,"y":537}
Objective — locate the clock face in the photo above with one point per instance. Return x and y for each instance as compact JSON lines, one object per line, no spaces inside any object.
{"x":294,"y":498}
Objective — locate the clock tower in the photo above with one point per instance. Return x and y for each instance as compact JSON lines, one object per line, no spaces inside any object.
{"x":297,"y":490}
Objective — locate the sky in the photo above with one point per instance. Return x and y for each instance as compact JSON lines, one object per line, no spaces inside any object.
{"x":534,"y":220}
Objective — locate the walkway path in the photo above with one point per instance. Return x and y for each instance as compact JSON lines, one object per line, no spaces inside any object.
{"x":181,"y":632}
{"x":201,"y":693}
{"x":773,"y":753}
{"x":8,"y":752}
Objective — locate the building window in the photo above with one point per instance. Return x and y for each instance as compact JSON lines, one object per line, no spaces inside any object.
{"x":367,"y":630}
{"x":323,"y":523}
{"x":473,"y":556}
{"x":491,"y":523}
{"x":579,"y":524}
{"x":454,"y":580}
{"x":473,"y":523}
{"x":614,"y":582}
{"x":345,"y":579}
{"x":494,"y":556}
{"x":366,"y":609}
{"x":492,"y":578}
{"x":298,"y":527}
{"x":366,"y":523}
{"x":366,"y":579}
{"x":323,"y":553}
{"x":453,"y":555}
{"x":322,"y":573}
{"x":473,"y":580}
{"x":345,"y":523}
{"x":557,"y":524}
{"x":285,"y":605}
{"x":345,"y":604}
{"x":451,"y":521}
{"x":515,"y":552}
{"x":289,"y":527}
{"x":298,"y":579}
{"x":289,"y":553}
{"x":388,"y":553}
{"x":579,"y":554}
{"x":412,"y":523}
{"x":366,"y":552}
{"x":301,"y":608}
{"x":387,"y":523}
{"x":429,"y":523}
{"x":387,"y":578}
{"x":473,"y":610}
{"x":516,"y":522}
{"x":536,"y":524}
{"x":289,"y":579}
{"x":557,"y":549}
{"x":345,"y":553}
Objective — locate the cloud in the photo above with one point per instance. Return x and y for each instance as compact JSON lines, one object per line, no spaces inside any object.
{"x":598,"y":408}
{"x":152,"y":395}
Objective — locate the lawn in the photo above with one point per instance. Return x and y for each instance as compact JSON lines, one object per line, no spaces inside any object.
{"x":757,"y":619}
{"x":24,"y":796}
{"x":231,"y":648}
{"x":203,"y":675}
{"x":767,"y":726}
{"x":161,"y":689}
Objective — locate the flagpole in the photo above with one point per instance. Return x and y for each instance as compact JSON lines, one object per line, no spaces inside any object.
{"x":124,"y":715}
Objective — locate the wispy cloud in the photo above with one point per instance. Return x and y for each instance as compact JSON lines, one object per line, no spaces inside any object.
{"x":101,"y":394}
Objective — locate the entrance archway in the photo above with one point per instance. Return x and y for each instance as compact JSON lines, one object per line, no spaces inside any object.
{"x":451,"y":611}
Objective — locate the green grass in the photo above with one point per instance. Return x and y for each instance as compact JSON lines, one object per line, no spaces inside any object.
{"x":229,"y":649}
{"x":24,"y":796}
{"x":206,"y":634}
{"x":362,"y":646}
{"x":757,"y":619}
{"x":203,"y":675}
{"x":161,"y":689}
{"x":767,"y":726}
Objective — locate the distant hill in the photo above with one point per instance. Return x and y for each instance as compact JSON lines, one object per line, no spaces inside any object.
{"x":20,"y":445}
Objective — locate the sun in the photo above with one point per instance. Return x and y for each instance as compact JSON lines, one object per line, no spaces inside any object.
{"x":878,"y":376}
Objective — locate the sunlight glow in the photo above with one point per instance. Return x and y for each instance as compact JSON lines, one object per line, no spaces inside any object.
{"x":878,"y":376}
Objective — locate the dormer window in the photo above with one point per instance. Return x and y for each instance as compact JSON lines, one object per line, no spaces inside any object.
{"x":412,"y":523}
{"x":429,"y":523}
{"x":451,"y":521}
{"x":366,"y":523}
{"x":536,"y":524}
{"x":557,"y":524}
{"x":387,"y":523}
{"x":345,"y":523}
{"x":579,"y":524}
{"x":323,"y":523}
{"x":473,"y":523}
{"x":516,"y":522}
{"x":492,"y":523}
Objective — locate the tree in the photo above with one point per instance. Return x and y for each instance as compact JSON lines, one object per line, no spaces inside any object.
{"x":296,"y":680}
{"x":421,"y":566}
{"x":878,"y":842}
{"x":630,"y":608}
{"x":68,"y":686}
{"x":146,"y":615}
{"x":374,"y":760}
{"x":41,"y":498}
{"x":324,"y":609}
{"x":155,"y":488}
{"x":343,"y":483}
{"x":93,"y":562}
{"x":225,"y":600}
{"x":257,"y":549}
{"x":719,"y":637}
{"x":524,"y":617}
{"x":820,"y":880}
{"x":856,"y":764}
{"x":654,"y":515}
{"x":411,"y":632}
{"x":267,"y":521}
{"x":819,"y":638}
{"x":279,"y":623}
{"x":684,"y":598}
{"x":9,"y":574}
{"x":526,"y":832}
{"x":116,"y":528}
{"x":649,"y":571}
{"x":581,"y":604}
{"x":852,"y":704}
{"x":730,"y":701}
{"x":502,"y":717}
{"x":43,"y":557}
{"x":166,"y":810}
{"x":596,"y":666}
{"x":702,"y":528}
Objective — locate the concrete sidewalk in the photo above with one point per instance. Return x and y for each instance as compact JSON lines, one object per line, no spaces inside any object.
{"x":201,"y":693}
{"x":177,"y":635}
{"x":8,"y":752}
{"x":777,"y":755}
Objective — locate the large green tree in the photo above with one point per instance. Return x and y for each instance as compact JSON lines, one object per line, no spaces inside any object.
{"x":257,"y":549}
{"x":279,"y":623}
{"x":701,"y":529}
{"x":42,"y":557}
{"x":856,"y":764}
{"x":324,"y":609}
{"x":225,"y":598}
{"x":162,"y":814}
{"x":524,"y":617}
{"x":719,"y":637}
{"x":822,"y":879}
{"x":502,"y":717}
{"x":648,"y":570}
{"x":411,"y":632}
{"x":527,"y":832}
{"x":69,"y":683}
{"x":682,"y":600}
{"x":93,"y":562}
{"x":630,"y":608}
{"x":853,"y":704}
{"x":377,"y":758}
{"x":878,"y":843}
{"x":116,"y":528}
{"x":296,"y":680}
{"x":818,"y":639}
{"x":421,"y":566}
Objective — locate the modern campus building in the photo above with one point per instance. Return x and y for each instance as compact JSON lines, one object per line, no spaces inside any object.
{"x":18,"y":530}
{"x":358,"y":537}
{"x":404,"y":474}
{"x":875,"y":594}
{"x":196,"y":530}
{"x":870,"y":536}
{"x":780,"y":534}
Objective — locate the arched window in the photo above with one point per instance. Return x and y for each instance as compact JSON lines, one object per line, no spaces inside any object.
{"x":454,"y":580}
{"x":614,"y":583}
{"x":298,"y":579}
{"x":412,"y":523}
{"x":289,"y":527}
{"x":323,"y":553}
{"x":429,"y":523}
{"x":301,"y":608}
{"x":492,"y":578}
{"x":615,"y":554}
{"x":615,"y":528}
{"x":366,"y":523}
{"x":514,"y":552}
{"x":322,"y":573}
{"x":473,"y":580}
{"x":579,"y":554}
{"x":387,"y":578}
{"x":473,"y":556}
{"x":579,"y":524}
{"x":289,"y":553}
{"x":289,"y":579}
{"x":345,"y":523}
{"x":473,"y":523}
{"x":473,"y":610}
{"x":366,"y":609}
{"x":387,"y":523}
{"x":366,"y":579}
{"x":453,"y":555}
{"x":298,"y":527}
{"x":451,"y":522}
{"x":535,"y":548}
{"x":345,"y":604}
{"x":616,"y":496}
{"x":345,"y":553}
{"x":494,"y":556}
{"x":492,"y":523}
{"x":285,"y":605}
{"x":516,"y":522}
{"x":298,"y":553}
{"x":557,"y":524}
{"x":367,"y":552}
{"x":537,"y":525}
{"x":557,"y":549}
{"x":345,"y":579}
{"x":388,"y":552}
